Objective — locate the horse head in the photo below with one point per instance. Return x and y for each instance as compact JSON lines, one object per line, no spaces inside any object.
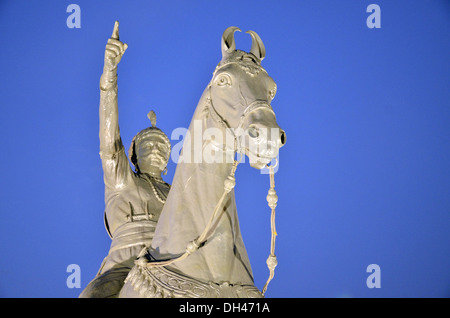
{"x":241,"y":92}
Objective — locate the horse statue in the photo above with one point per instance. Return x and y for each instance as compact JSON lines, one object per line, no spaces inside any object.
{"x":197,"y":249}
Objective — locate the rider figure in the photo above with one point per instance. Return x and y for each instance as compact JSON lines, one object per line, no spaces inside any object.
{"x":133,"y":199}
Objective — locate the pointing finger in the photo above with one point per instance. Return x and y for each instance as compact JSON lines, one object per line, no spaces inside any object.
{"x":115,"y":34}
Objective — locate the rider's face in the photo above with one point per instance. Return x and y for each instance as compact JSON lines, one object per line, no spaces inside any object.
{"x":152,"y":152}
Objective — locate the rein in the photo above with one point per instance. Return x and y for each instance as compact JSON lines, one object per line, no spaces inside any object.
{"x":229,"y":185}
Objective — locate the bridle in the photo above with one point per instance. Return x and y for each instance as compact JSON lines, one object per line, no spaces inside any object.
{"x":237,"y":132}
{"x":229,"y":185}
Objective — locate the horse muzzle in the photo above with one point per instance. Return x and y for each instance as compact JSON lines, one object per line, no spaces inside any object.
{"x":263,"y":144}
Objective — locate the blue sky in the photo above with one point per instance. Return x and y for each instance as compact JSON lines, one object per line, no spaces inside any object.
{"x":364,"y":177}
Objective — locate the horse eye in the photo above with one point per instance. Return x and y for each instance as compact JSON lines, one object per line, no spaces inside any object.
{"x":224,"y":80}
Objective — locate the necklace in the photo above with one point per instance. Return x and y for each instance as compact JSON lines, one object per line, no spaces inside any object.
{"x":150,"y":180}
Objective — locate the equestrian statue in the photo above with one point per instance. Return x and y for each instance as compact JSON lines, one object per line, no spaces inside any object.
{"x":196,"y":248}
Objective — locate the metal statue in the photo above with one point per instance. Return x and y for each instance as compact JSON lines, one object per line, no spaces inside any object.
{"x":196,"y":249}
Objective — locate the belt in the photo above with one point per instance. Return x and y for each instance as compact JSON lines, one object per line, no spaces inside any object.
{"x":132,"y":234}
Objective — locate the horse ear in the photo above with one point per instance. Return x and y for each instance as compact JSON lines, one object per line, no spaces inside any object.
{"x":228,"y":43}
{"x":258,"y":49}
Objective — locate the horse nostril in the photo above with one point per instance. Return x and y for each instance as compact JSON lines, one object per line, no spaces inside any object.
{"x":282,"y":137}
{"x":253,"y":132}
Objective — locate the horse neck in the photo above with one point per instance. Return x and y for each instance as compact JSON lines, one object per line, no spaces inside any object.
{"x":196,"y":189}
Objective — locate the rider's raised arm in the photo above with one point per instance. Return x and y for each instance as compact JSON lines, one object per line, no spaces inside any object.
{"x":110,"y":141}
{"x":116,"y":167}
